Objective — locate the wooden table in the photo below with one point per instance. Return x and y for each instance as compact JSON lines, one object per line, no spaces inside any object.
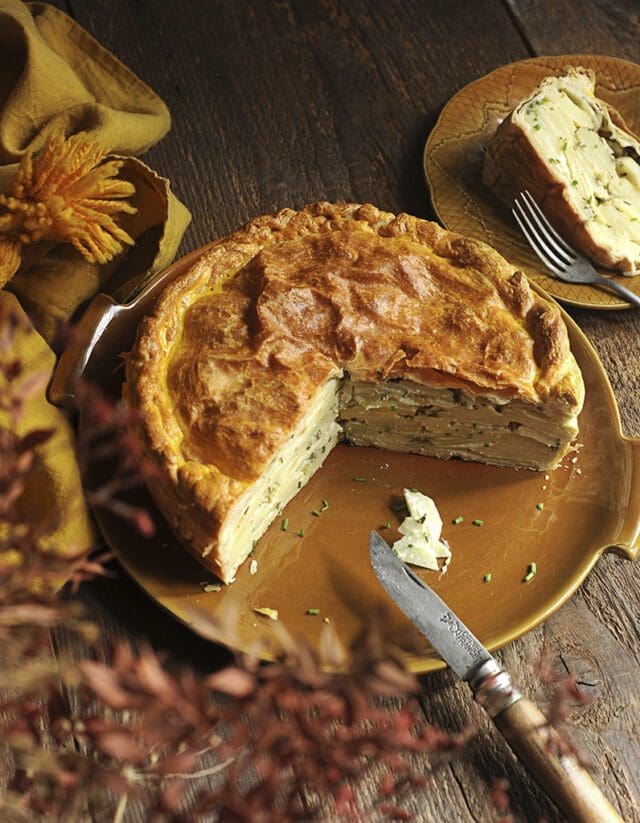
{"x":280,"y":104}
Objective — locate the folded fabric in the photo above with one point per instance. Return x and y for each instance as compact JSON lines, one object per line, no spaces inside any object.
{"x":56,"y":80}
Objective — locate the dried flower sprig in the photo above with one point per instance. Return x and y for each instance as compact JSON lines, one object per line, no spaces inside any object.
{"x":283,"y":742}
{"x":111,"y":457}
{"x":65,"y":194}
{"x":142,"y":732}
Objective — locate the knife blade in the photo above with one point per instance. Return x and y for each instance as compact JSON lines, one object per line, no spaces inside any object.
{"x":449,"y":637}
{"x":537,"y":744}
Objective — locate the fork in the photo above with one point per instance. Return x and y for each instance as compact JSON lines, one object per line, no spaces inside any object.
{"x":555,"y":253}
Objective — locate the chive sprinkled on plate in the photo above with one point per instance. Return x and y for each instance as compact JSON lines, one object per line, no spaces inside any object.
{"x":312,"y":611}
{"x":300,"y":532}
{"x":487,"y":578}
{"x":386,"y":525}
{"x":315,"y":513}
{"x":477,"y":522}
{"x":325,"y":504}
{"x":457,"y":520}
{"x":531,"y":573}
{"x":285,"y":524}
{"x":360,"y":479}
{"x":539,"y":506}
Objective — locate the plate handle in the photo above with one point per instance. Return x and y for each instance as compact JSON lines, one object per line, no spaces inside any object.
{"x":85,"y":336}
{"x":628,"y":539}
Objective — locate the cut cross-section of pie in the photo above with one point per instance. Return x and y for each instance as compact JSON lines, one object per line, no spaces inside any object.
{"x":580,"y":161}
{"x":339,"y":322}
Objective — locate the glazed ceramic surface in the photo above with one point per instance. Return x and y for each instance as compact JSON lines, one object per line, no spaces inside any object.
{"x":454,"y":151}
{"x":561,"y":521}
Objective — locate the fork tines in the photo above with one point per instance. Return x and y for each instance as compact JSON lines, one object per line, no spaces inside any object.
{"x":552,"y":250}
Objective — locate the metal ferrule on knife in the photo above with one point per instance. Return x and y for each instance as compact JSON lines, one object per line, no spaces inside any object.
{"x":492,"y":688}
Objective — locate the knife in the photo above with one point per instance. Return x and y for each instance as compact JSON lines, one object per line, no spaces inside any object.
{"x":523,"y":726}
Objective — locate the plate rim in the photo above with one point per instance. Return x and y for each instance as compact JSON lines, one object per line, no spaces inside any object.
{"x":619,"y":305}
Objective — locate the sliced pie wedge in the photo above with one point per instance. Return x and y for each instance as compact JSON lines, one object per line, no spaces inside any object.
{"x":580,"y":161}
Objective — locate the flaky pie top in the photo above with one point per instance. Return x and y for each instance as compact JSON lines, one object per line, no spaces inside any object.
{"x":236,"y":348}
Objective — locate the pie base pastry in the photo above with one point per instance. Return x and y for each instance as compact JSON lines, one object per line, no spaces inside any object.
{"x":339,"y":321}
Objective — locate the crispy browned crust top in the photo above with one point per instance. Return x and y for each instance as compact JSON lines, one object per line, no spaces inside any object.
{"x":235,"y":349}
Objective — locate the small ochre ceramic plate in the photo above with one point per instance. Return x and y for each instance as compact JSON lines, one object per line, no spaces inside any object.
{"x":562,"y":521}
{"x":454,"y":151}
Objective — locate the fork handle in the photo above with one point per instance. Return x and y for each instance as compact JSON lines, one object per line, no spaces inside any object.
{"x":623,"y":291}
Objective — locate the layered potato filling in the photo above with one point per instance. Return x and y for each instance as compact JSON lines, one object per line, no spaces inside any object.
{"x":402,"y":416}
{"x":289,"y":470}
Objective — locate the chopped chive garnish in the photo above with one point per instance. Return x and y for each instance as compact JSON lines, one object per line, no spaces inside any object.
{"x":360,"y":479}
{"x":574,"y":182}
{"x":315,"y":513}
{"x":325,"y":505}
{"x":487,"y":578}
{"x":299,"y":484}
{"x":414,"y":490}
{"x":312,"y":611}
{"x":477,"y":522}
{"x":285,"y":524}
{"x":539,"y":506}
{"x":300,"y":532}
{"x":457,"y":520}
{"x":531,"y":573}
{"x":386,"y":525}
{"x":537,"y":126}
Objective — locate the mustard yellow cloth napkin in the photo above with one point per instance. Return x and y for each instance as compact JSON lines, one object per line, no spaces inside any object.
{"x":54,"y":481}
{"x":56,"y":79}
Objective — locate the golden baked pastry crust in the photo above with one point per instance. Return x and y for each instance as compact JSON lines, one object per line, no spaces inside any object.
{"x":237,"y":347}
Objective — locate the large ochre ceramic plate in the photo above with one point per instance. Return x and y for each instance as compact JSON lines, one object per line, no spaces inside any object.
{"x":454,"y":151}
{"x":590,"y":504}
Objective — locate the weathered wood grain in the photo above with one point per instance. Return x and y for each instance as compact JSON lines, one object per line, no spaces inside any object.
{"x":585,"y":27}
{"x":279,"y":104}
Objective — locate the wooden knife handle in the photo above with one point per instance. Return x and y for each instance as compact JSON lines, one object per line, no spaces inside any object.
{"x":539,"y":747}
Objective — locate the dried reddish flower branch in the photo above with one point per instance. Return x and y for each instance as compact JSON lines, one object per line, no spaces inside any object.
{"x":106,"y":441}
{"x":282,"y":742}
